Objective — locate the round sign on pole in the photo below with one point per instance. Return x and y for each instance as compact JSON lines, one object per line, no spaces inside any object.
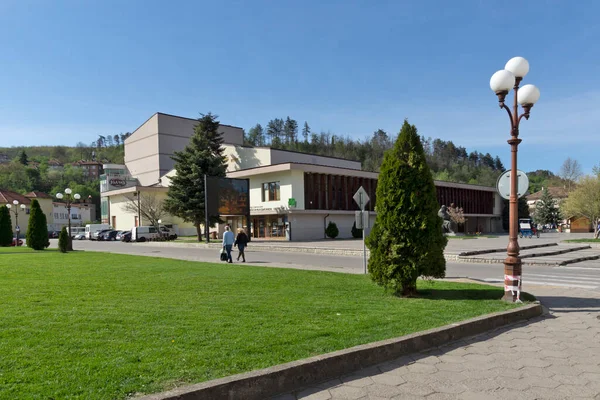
{"x":503,"y":184}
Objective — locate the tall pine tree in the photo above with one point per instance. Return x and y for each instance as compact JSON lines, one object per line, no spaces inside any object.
{"x":6,"y":233}
{"x":306,"y":132}
{"x":290,"y":130}
{"x":202,"y":156}
{"x":406,"y":241}
{"x":23,"y":159}
{"x":37,"y":229}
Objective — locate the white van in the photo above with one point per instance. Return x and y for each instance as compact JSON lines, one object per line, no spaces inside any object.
{"x":144,"y":233}
{"x":91,"y":228}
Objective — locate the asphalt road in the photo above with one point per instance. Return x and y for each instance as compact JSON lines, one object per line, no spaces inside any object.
{"x":582,"y":275}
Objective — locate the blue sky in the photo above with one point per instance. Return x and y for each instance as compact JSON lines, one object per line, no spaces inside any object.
{"x":72,"y":70}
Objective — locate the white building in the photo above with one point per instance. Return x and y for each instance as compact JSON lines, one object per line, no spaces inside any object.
{"x":293,"y":195}
{"x":81,"y":213}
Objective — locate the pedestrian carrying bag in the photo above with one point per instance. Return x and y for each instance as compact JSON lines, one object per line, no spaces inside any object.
{"x":223,"y":255}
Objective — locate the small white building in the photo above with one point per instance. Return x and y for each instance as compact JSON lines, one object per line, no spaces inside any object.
{"x":81,"y":213}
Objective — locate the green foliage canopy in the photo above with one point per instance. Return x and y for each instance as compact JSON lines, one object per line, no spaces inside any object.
{"x":202,"y":156}
{"x":37,"y":230}
{"x":6,"y":232}
{"x":406,"y":241}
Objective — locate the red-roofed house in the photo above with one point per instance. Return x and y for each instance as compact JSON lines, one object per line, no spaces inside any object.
{"x":8,"y":197}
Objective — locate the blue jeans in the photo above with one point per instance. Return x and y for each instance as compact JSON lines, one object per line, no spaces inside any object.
{"x":228,"y":250}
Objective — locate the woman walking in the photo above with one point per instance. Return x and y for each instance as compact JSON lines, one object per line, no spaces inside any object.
{"x":241,"y":241}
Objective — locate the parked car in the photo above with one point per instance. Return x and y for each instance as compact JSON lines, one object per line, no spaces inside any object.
{"x":98,"y":234}
{"x":14,"y":242}
{"x":119,"y":234}
{"x":91,"y":229}
{"x":53,"y":234}
{"x":108,"y":236}
{"x":126,"y":236}
{"x":79,"y":236}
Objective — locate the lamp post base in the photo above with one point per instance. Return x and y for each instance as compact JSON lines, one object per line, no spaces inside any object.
{"x":512,"y":279}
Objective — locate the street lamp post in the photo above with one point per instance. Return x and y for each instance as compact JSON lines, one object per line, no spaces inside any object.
{"x":69,"y":200}
{"x":501,"y":83}
{"x":16,"y":211}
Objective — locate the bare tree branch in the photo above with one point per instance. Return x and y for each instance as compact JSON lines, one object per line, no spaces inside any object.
{"x":570,"y":172}
{"x":150,"y":207}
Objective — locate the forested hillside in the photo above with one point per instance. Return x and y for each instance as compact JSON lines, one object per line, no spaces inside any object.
{"x":448,"y":162}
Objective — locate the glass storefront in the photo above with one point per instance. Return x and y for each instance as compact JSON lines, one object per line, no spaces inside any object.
{"x":269,"y":226}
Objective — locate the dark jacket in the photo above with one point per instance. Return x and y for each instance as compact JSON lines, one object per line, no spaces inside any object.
{"x":241,"y":239}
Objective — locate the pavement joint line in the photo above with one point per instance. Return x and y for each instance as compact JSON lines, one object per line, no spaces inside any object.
{"x":296,"y":375}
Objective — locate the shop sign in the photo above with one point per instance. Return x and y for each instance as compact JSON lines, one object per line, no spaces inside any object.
{"x":117,"y":182}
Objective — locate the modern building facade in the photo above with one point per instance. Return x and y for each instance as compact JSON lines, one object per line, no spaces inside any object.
{"x":293,"y":196}
{"x":149,"y":149}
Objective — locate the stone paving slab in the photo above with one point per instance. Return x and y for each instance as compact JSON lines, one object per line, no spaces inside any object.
{"x":556,"y":356}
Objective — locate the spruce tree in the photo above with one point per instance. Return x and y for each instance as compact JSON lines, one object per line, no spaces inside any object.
{"x":6,"y":232}
{"x":546,"y":211}
{"x":406,"y":241}
{"x":202,"y":156}
{"x":37,"y":229}
{"x":23,"y":158}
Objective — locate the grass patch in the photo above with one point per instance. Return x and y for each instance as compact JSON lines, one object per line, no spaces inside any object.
{"x":108,"y":326}
{"x":582,"y":240}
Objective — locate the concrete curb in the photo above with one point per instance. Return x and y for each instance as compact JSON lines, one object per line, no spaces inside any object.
{"x":477,"y":252}
{"x":258,"y":247}
{"x":557,"y":252}
{"x":285,"y":378}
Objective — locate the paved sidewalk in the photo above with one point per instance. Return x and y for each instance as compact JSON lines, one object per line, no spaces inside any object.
{"x":556,"y":356}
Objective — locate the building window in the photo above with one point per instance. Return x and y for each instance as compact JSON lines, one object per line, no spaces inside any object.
{"x":270,"y":191}
{"x":56,"y":215}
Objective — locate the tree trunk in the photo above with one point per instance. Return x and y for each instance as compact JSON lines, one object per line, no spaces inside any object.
{"x":409,"y":288}
{"x":199,"y":232}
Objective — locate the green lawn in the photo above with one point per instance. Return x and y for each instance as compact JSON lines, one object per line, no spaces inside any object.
{"x":583,"y":240}
{"x":107,"y":326}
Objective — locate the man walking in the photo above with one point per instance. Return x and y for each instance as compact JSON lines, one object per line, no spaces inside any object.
{"x":228,"y":239}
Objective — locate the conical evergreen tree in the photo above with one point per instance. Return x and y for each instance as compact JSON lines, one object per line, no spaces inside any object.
{"x":203,"y":155}
{"x":406,"y":241}
{"x":546,"y":211}
{"x":63,"y":240}
{"x":37,"y":229}
{"x":6,"y":232}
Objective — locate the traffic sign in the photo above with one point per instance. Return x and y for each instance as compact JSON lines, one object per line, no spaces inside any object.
{"x":503,"y":184}
{"x":361,"y":198}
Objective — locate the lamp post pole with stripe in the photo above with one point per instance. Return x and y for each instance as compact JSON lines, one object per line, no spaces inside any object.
{"x":501,"y":83}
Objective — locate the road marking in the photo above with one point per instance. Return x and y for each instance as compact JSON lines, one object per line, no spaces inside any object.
{"x":525,"y":282}
{"x":580,"y":278}
{"x":551,"y":282}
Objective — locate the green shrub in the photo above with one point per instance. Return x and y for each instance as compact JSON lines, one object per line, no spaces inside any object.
{"x":63,"y":240}
{"x":332,"y":230}
{"x":356,"y":233}
{"x":37,"y":230}
{"x":406,"y":241}
{"x":6,"y":233}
